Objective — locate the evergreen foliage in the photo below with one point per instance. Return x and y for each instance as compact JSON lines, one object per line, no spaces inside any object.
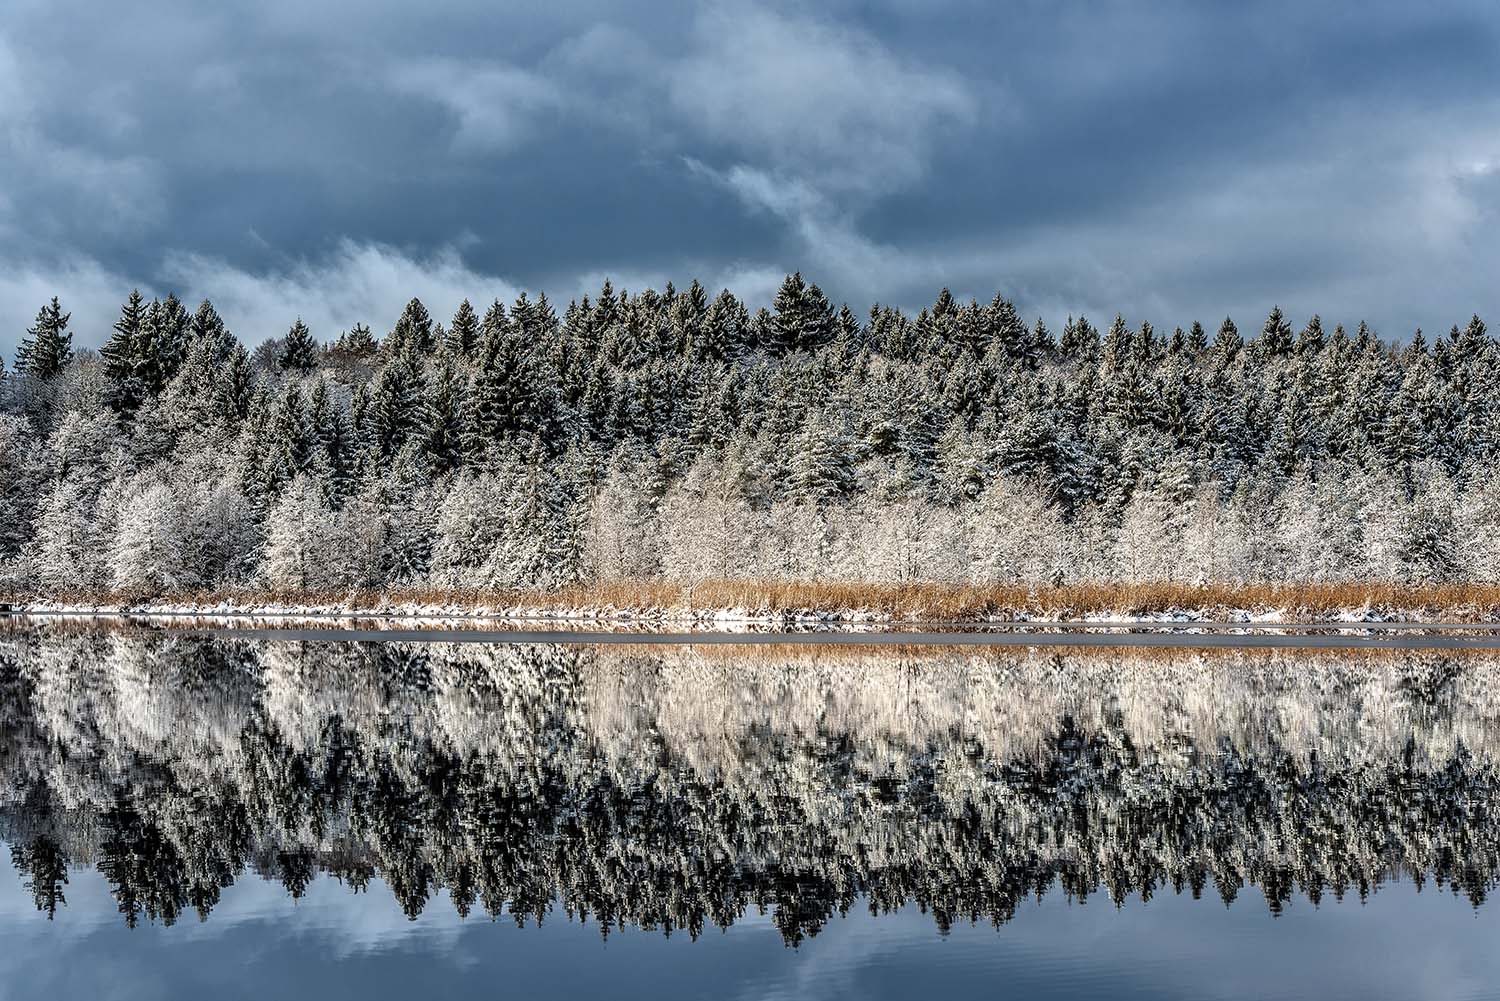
{"x":802,"y":427}
{"x":299,"y":352}
{"x":47,"y":347}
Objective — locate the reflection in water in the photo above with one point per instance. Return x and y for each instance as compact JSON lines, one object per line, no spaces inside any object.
{"x":679,"y":788}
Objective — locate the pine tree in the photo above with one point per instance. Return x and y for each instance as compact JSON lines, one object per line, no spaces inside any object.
{"x":446,"y":430}
{"x":1197,"y":339}
{"x":784,"y":333}
{"x":396,"y":405}
{"x":463,"y":332}
{"x":1227,"y":342}
{"x":47,"y":347}
{"x":299,"y":351}
{"x":120,"y":355}
{"x":412,"y":334}
{"x":1276,"y":336}
{"x":1311,"y":341}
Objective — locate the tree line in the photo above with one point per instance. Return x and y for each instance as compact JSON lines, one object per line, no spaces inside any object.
{"x":681,"y":435}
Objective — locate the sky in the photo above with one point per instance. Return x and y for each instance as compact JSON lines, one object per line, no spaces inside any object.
{"x":1169,"y":161}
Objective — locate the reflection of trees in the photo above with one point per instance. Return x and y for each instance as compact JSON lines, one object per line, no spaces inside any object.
{"x":679,"y":790}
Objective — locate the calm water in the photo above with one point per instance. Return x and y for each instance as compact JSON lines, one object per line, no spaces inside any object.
{"x":193,"y":816}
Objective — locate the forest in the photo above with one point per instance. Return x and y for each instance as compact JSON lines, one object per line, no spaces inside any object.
{"x":679,"y":436}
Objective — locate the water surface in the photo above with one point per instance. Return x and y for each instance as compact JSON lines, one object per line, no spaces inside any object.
{"x":193,"y":815}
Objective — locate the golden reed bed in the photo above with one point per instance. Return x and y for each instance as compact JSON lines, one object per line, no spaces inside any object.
{"x":912,"y":602}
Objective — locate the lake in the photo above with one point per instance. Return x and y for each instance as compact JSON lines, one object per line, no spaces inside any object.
{"x":237,"y":815}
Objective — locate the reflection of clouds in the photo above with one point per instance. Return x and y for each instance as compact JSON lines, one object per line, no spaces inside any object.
{"x":1401,"y":944}
{"x":352,"y":923}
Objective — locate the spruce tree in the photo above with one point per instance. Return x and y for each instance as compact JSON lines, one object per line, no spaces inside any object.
{"x":785,"y":330}
{"x":1117,"y":344}
{"x":1276,"y":336}
{"x":358,"y":343}
{"x":817,"y":320}
{"x":1227,"y":342}
{"x":174,"y":326}
{"x":120,"y":353}
{"x":503,"y":395}
{"x":1311,"y":341}
{"x":1197,"y":339}
{"x":1080,"y":341}
{"x":1008,"y":331}
{"x":822,"y":468}
{"x":412,"y":334}
{"x":971,"y":333}
{"x":299,"y":351}
{"x":396,"y":409}
{"x":446,"y":433}
{"x":47,"y":347}
{"x":208,"y":327}
{"x":463,"y":332}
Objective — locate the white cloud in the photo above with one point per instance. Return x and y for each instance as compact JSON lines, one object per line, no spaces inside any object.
{"x":358,"y":283}
{"x":87,"y":289}
{"x":497,"y":107}
{"x":826,"y":101}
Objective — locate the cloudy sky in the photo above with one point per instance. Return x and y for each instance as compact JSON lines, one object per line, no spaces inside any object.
{"x":1167,"y":160}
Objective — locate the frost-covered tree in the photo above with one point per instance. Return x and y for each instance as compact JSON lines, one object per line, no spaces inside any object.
{"x":299,"y":351}
{"x":307,"y":549}
{"x":677,"y":434}
{"x":63,"y":556}
{"x":622,"y":535}
{"x":16,"y":484}
{"x":48,"y":346}
{"x":148,"y":554}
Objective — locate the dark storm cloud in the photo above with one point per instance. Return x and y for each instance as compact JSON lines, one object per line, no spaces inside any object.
{"x":1168,"y":160}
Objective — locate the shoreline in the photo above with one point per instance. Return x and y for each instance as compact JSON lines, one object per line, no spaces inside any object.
{"x":1162,"y":635}
{"x":797,"y":606}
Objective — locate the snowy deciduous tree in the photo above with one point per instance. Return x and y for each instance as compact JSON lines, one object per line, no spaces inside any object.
{"x":63,"y":556}
{"x":148,"y":554}
{"x":307,"y":545}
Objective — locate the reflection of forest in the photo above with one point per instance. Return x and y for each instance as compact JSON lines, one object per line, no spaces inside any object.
{"x":676,"y":788}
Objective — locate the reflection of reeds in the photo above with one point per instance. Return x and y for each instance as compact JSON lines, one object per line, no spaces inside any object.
{"x":910,"y":601}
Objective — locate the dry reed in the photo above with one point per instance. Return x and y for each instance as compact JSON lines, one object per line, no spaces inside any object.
{"x":909,"y":602}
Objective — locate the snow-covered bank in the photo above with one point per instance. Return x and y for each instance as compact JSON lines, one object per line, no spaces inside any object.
{"x":771,"y":605}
